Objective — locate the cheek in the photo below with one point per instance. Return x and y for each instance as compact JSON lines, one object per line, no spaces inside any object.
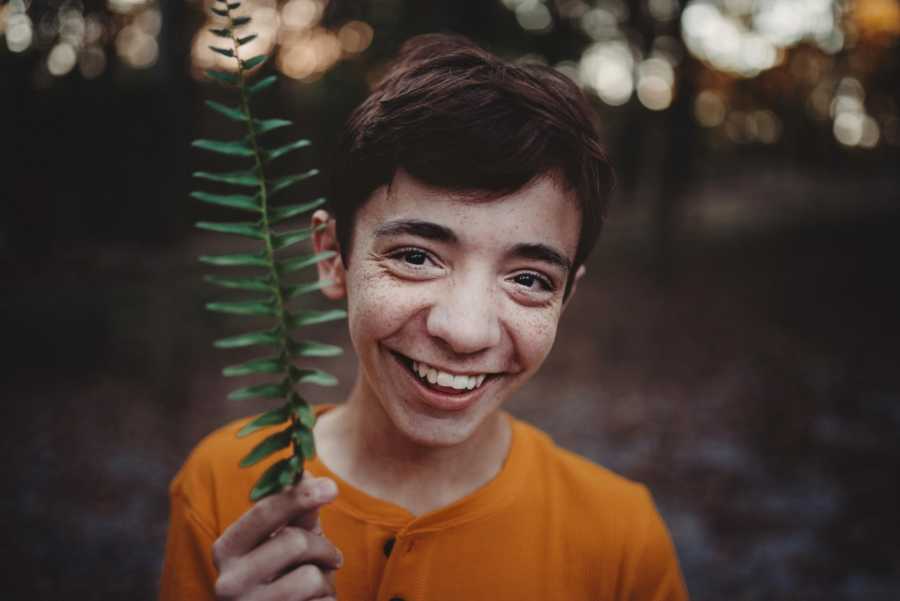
{"x":378,"y":306}
{"x":534,"y":334}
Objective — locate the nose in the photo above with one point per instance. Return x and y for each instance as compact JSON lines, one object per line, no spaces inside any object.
{"x":464,"y":316}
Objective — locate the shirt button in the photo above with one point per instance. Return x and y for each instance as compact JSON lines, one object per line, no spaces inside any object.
{"x":388,"y":547}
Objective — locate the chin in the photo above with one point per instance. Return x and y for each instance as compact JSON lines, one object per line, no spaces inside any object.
{"x":433,"y":431}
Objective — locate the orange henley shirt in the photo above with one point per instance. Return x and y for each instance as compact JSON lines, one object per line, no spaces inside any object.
{"x":551,"y":525}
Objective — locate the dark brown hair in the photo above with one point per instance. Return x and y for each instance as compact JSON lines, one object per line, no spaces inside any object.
{"x":455,"y":116}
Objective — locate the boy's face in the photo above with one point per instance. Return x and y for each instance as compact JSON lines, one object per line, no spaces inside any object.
{"x":465,"y":292}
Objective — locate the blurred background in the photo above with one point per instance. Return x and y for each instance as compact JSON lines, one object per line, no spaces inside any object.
{"x":734,"y":345}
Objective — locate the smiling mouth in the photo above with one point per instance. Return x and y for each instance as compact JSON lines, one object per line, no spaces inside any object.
{"x":441,"y":381}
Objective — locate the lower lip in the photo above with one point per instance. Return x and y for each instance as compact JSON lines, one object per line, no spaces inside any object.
{"x":455,"y":401}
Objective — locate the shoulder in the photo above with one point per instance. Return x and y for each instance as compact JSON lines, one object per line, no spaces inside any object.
{"x":579,"y":478}
{"x":610,"y":522}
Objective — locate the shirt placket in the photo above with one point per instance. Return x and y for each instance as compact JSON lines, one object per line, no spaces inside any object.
{"x":402,"y":579}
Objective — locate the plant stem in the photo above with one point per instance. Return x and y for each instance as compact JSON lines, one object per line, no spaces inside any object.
{"x":275,"y":277}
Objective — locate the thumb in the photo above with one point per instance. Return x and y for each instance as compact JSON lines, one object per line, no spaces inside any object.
{"x":319,"y":492}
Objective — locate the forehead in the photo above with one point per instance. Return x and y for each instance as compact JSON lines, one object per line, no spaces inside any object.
{"x":543,"y":211}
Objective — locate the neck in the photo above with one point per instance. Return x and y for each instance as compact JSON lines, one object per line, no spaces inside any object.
{"x":360,"y":444}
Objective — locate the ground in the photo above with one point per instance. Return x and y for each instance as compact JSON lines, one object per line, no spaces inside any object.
{"x":748,"y":376}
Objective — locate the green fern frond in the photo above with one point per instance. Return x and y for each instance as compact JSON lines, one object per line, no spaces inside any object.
{"x":282,"y":350}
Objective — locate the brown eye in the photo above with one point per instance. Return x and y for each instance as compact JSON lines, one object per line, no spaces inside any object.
{"x":525,"y":279}
{"x":415,"y":257}
{"x":528,"y":280}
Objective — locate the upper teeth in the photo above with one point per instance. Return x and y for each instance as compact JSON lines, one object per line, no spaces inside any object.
{"x":442,"y":378}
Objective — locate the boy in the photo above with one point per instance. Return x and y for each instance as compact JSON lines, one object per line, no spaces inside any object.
{"x":468,"y":193}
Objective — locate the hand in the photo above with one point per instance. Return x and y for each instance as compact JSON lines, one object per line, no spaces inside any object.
{"x":276,"y":551}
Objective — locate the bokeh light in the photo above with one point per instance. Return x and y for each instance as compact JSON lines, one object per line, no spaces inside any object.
{"x":600,"y":24}
{"x":149,"y":21}
{"x":126,"y":7}
{"x":136,"y":48}
{"x":309,"y":55}
{"x":71,"y":27}
{"x":94,"y":31}
{"x":61,"y":59}
{"x":663,"y":10}
{"x":852,"y":125}
{"x":725,"y":42}
{"x":534,"y":16}
{"x":877,"y":18}
{"x":819,"y":55}
{"x":19,"y":29}
{"x":292,"y":31}
{"x":299,"y":61}
{"x":763,"y":126}
{"x":47,"y":29}
{"x":848,"y":128}
{"x":92,"y":62}
{"x":69,"y":37}
{"x":709,"y":108}
{"x":606,"y":68}
{"x":788,"y":22}
{"x":655,"y":83}
{"x":355,"y":36}
{"x":301,"y":14}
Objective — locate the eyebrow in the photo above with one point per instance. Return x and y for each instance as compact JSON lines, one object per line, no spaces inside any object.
{"x":415,"y":227}
{"x":432,"y":231}
{"x":542,"y":252}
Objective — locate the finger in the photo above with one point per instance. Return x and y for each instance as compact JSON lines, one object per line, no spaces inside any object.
{"x":290,"y":547}
{"x":307,"y":582}
{"x":309,"y":520}
{"x":270,"y":514}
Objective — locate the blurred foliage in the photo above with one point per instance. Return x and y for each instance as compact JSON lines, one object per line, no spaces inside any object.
{"x":748,"y":72}
{"x":685,"y":90}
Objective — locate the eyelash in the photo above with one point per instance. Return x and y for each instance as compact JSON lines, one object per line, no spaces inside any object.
{"x":543,"y":280}
{"x":401,"y":254}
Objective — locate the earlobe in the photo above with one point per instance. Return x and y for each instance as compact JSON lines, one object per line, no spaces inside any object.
{"x":331,"y":269}
{"x":578,"y":275}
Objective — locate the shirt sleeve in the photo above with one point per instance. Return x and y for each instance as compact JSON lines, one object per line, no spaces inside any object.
{"x":188,"y":573}
{"x":654,"y":573}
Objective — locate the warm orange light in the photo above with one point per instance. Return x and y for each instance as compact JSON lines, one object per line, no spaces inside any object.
{"x":876,"y":18}
{"x":203,"y":58}
{"x":355,"y":36}
{"x":301,"y":14}
{"x":308,"y":55}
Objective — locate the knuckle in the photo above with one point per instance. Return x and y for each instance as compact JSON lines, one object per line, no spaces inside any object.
{"x":226,"y":587}
{"x":297,"y":541}
{"x":311,"y":575}
{"x":263,"y":512}
{"x":219,"y":553}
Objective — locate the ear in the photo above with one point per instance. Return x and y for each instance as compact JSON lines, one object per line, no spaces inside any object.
{"x":578,"y":275}
{"x":331,"y":270}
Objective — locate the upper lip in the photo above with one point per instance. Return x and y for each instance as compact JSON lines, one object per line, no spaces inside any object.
{"x":454,"y":372}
